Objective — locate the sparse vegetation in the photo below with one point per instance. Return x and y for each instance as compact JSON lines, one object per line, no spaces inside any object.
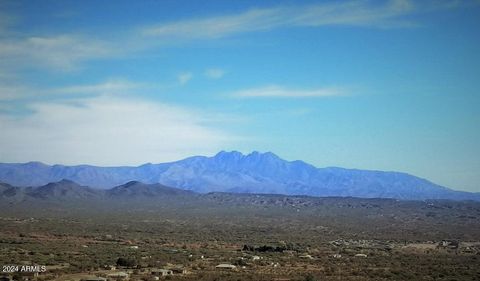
{"x":265,"y":237}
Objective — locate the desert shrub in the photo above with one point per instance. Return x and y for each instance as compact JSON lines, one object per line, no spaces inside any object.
{"x":127,"y":262}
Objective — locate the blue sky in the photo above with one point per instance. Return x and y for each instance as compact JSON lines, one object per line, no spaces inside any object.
{"x":383,"y":85}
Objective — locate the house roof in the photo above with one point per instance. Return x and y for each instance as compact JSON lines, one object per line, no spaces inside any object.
{"x":119,"y":274}
{"x":226,"y":265}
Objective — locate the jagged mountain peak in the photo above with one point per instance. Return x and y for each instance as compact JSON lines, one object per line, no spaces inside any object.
{"x":252,"y":156}
{"x":254,"y":153}
{"x":224,"y":153}
{"x":233,"y":171}
{"x":264,"y":155}
{"x":228,"y":156}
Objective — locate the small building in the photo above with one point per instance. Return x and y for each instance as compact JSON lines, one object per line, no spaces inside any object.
{"x":469,"y":250}
{"x":275,"y":264}
{"x":110,"y":267}
{"x":256,"y":258}
{"x":179,"y":270}
{"x":226,"y":266}
{"x":337,"y":256}
{"x":161,"y":272}
{"x":306,"y":257}
{"x":360,"y":255}
{"x":448,"y":243}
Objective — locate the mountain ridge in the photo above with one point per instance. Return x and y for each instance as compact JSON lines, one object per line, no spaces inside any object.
{"x":67,"y":191}
{"x":241,"y":173}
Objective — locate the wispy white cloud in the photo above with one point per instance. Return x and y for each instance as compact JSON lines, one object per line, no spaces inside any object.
{"x":107,"y":130}
{"x":354,"y":13}
{"x":65,"y":52}
{"x":357,"y":13}
{"x":184,"y":77}
{"x":214,"y":73}
{"x":13,"y":92}
{"x":62,"y":52}
{"x":9,"y":92}
{"x":275,"y":91}
{"x":113,"y":86}
{"x":214,"y":27}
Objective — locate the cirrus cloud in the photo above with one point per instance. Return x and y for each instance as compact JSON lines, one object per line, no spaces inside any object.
{"x":351,"y":13}
{"x":61,"y":52}
{"x":214,"y":73}
{"x":276,"y":91}
{"x":184,"y":77}
{"x":65,"y":52}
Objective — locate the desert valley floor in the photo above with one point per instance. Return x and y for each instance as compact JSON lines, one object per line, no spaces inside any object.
{"x":251,"y":237}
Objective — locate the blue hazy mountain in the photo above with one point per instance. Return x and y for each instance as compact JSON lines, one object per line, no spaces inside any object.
{"x":136,"y":190}
{"x":69,"y":191}
{"x":239,"y":173}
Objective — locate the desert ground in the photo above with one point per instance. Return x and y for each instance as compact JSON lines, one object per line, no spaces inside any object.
{"x":255,"y":237}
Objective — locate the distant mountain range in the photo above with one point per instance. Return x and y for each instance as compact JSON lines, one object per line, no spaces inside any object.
{"x":229,"y":172}
{"x":69,"y":191}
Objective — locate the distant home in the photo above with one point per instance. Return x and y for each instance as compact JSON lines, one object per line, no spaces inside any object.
{"x":360,"y":255}
{"x":161,"y":272}
{"x":309,"y":257}
{"x":226,"y":266}
{"x":110,"y":267}
{"x":448,"y":243}
{"x":179,"y":270}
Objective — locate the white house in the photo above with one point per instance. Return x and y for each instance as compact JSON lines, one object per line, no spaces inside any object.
{"x":226,"y":266}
